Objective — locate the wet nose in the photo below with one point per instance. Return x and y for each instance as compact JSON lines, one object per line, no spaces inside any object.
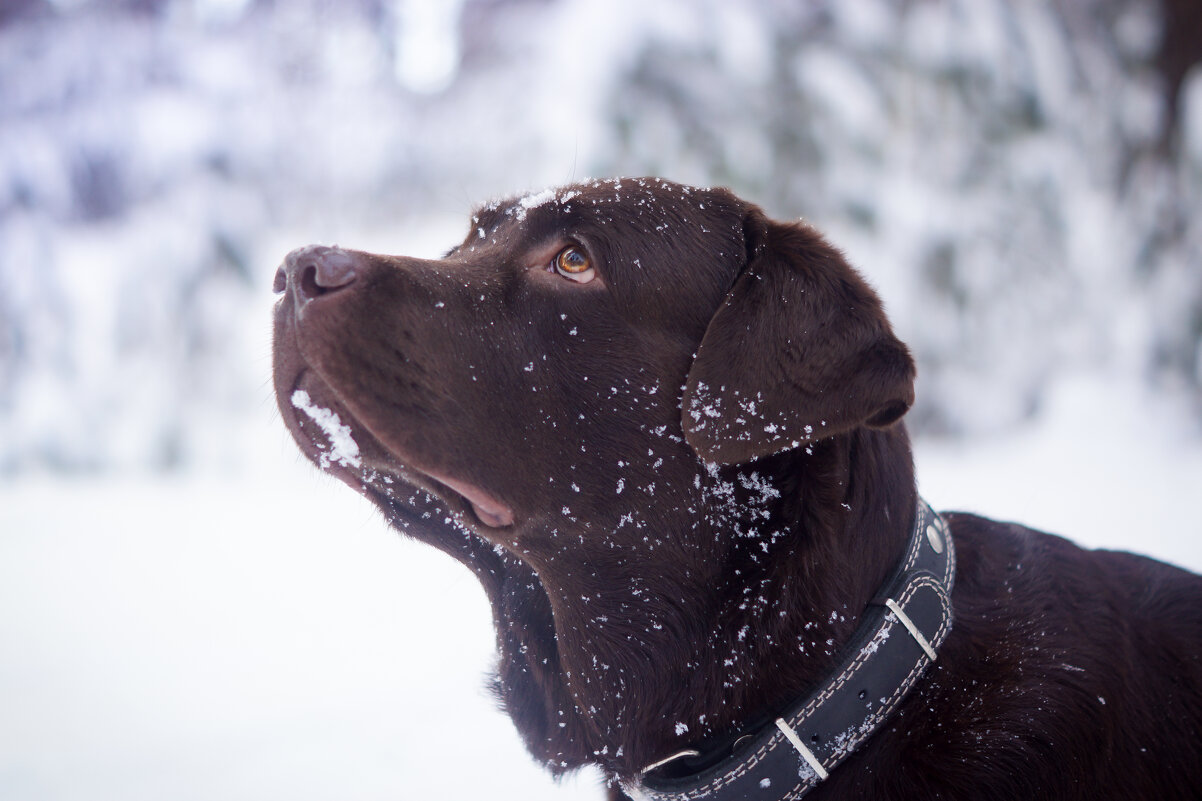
{"x":314,"y":271}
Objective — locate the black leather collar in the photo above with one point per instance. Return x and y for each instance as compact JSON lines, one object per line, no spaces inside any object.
{"x":899,"y":634}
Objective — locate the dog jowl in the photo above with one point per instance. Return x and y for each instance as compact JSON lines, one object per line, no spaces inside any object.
{"x":663,"y":430}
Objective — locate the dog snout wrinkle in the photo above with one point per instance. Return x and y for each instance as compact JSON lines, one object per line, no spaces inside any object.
{"x":316,"y":270}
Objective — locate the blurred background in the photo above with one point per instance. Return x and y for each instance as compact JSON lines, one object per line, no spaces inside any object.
{"x":186,"y":608}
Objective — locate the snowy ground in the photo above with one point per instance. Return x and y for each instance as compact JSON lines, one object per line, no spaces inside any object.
{"x":265,"y":636}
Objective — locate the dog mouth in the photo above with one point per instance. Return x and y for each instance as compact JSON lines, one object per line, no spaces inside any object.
{"x":342,"y":445}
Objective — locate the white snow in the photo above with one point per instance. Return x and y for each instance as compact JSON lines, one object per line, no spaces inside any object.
{"x":533,"y":201}
{"x":427,"y":44}
{"x":1106,"y":464}
{"x":248,"y":636}
{"x":879,"y":638}
{"x":269,"y":623}
{"x":343,"y":448}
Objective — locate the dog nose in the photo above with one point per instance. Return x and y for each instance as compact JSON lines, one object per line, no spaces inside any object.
{"x":314,"y":271}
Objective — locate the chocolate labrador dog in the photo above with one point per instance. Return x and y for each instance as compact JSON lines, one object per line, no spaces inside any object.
{"x":663,"y":430}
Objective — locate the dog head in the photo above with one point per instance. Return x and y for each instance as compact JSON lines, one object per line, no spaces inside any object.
{"x":597,"y":401}
{"x":578,"y":346}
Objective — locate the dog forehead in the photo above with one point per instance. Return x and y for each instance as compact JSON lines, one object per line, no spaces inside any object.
{"x":667,"y":252}
{"x":605,"y":201}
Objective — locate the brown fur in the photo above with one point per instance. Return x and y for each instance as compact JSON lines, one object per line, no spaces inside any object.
{"x":681,"y":482}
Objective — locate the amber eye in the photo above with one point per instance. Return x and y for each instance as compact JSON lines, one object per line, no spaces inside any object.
{"x":572,"y":262}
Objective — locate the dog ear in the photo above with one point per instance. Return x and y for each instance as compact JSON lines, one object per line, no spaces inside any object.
{"x":800,"y":350}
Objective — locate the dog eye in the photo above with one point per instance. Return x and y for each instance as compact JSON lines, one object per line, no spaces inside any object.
{"x":572,"y":262}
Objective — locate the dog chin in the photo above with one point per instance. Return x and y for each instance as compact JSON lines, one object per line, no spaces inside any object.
{"x":340,"y":444}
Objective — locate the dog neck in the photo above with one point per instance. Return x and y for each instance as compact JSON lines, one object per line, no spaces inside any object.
{"x":640,"y":657}
{"x":878,"y":668}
